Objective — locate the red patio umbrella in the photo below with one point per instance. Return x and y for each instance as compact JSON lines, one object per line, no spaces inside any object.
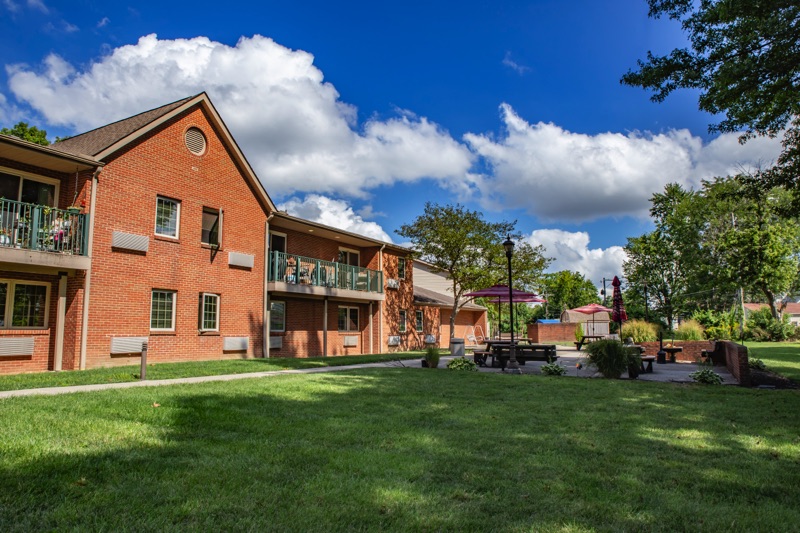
{"x":499,"y":294}
{"x":592,"y":309}
{"x":618,"y":314}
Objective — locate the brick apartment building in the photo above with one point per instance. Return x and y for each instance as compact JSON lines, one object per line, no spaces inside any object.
{"x":156,"y":229}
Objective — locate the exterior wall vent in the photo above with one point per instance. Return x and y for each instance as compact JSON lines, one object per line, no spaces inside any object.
{"x":16,"y":346}
{"x":275,"y":343}
{"x":430,"y":339}
{"x":235,"y":344}
{"x":392,"y":283}
{"x":394,"y":340}
{"x":350,"y":341}
{"x":120,"y":345}
{"x":195,"y":141}
{"x":241,"y":260}
{"x":128,"y":241}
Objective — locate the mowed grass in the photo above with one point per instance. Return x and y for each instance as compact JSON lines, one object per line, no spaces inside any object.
{"x":123,"y":374}
{"x":780,"y":357}
{"x":403,"y":449}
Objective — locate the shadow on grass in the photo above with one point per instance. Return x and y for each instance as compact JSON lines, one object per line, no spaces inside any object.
{"x":403,"y":449}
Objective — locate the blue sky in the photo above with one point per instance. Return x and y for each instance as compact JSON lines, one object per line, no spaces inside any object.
{"x":356,"y":113}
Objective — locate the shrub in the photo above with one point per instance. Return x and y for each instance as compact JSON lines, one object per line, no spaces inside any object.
{"x":757,"y":364}
{"x":706,"y":376}
{"x":719,"y":325}
{"x":462,"y":363}
{"x":690,"y":330}
{"x":611,"y":357}
{"x":553,"y":369}
{"x":432,"y":356}
{"x":579,"y":332}
{"x":761,"y":326}
{"x":640,"y":330}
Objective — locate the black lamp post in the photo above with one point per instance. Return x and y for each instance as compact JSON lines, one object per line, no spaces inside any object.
{"x":512,"y":351}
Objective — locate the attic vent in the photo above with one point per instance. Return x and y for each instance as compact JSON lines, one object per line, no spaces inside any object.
{"x":195,"y":141}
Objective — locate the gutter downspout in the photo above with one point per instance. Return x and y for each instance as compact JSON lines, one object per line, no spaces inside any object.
{"x":380,"y":305}
{"x":265,"y":311}
{"x":88,"y":281}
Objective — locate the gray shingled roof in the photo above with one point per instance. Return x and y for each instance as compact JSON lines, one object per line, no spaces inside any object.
{"x":95,"y":141}
{"x":428,"y":297}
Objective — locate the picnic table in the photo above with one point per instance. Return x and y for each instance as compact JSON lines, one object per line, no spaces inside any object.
{"x":586,"y":339}
{"x":501,"y":354}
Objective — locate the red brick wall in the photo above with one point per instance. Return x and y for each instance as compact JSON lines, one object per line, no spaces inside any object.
{"x":397,"y":300}
{"x":465,"y":321}
{"x":691,"y":349}
{"x":564,"y":331}
{"x":44,"y":339}
{"x":160,"y":164}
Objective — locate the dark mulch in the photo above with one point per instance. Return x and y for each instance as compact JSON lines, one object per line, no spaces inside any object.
{"x":765,"y":377}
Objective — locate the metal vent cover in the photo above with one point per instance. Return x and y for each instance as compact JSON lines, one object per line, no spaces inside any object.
{"x":235,"y":344}
{"x":120,"y":345}
{"x":12,"y":346}
{"x":129,"y":241}
{"x":241,"y":260}
{"x":394,"y":340}
{"x":195,"y":141}
{"x":350,"y":341}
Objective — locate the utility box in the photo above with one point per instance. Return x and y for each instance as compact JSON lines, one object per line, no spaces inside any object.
{"x":457,"y":347}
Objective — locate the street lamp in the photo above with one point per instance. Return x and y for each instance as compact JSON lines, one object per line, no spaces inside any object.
{"x":512,"y":351}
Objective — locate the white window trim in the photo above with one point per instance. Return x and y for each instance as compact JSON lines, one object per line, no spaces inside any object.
{"x":358,"y":321}
{"x":174,"y":307}
{"x":279,"y":234}
{"x":203,"y":311}
{"x":219,"y":226}
{"x":419,"y":313}
{"x":402,"y":324}
{"x":177,"y":222}
{"x":7,"y":319}
{"x":33,"y":177}
{"x":283,"y":329}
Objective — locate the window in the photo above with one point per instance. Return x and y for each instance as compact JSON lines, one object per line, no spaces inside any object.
{"x":348,"y":319}
{"x":349,"y":257}
{"x":162,"y":310}
{"x":277,"y":316}
{"x":402,"y":322}
{"x":420,"y":323}
{"x":277,"y":242}
{"x":212,"y":226}
{"x":168,"y":214}
{"x":401,"y":268}
{"x":209,"y":312}
{"x":31,"y":190}
{"x":23,"y":304}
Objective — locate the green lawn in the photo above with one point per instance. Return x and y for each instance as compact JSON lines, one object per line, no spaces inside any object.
{"x":780,"y":357}
{"x":185,"y":370}
{"x":403,"y":449}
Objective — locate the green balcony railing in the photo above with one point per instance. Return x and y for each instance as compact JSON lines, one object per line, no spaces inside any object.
{"x":42,"y":228}
{"x":296,"y":269}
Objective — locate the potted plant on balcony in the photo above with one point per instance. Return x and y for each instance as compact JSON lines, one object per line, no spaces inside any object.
{"x":74,"y":210}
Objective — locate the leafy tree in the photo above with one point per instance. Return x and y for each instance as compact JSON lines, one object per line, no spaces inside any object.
{"x":27,"y":133}
{"x":654,"y":262}
{"x":567,"y":290}
{"x":745,"y":61}
{"x":467,"y":248}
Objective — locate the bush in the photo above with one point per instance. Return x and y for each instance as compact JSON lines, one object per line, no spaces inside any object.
{"x":611,"y":357}
{"x":579,"y":332}
{"x":757,"y":364}
{"x":553,"y":369}
{"x":761,"y":326}
{"x":640,"y":330}
{"x":707,"y":377}
{"x":690,"y":330}
{"x":719,"y":325}
{"x":432,"y":356}
{"x":462,"y":363}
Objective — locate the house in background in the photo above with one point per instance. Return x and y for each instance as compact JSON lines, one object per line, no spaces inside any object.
{"x":792,"y":309}
{"x":171,"y":240}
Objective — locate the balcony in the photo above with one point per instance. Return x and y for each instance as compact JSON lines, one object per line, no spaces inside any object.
{"x":299,"y":274}
{"x":58,"y":237}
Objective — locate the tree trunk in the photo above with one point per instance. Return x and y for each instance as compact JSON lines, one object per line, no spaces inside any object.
{"x":771,"y":301}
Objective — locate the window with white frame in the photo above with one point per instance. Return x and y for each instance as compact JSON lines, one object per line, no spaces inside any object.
{"x":402,"y":326}
{"x":348,"y":318}
{"x":209,"y":312}
{"x":212,"y":227}
{"x":277,"y":317}
{"x":23,"y":304}
{"x":420,"y":322}
{"x":162,"y":310}
{"x":168,"y":216}
{"x":401,"y":267}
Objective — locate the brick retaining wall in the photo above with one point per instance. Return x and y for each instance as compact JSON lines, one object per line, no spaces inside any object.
{"x":564,"y":331}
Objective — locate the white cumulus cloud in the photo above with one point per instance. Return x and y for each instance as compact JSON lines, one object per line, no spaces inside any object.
{"x":331,"y":212}
{"x":560,"y":175}
{"x":571,"y":252}
{"x":296,"y":131}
